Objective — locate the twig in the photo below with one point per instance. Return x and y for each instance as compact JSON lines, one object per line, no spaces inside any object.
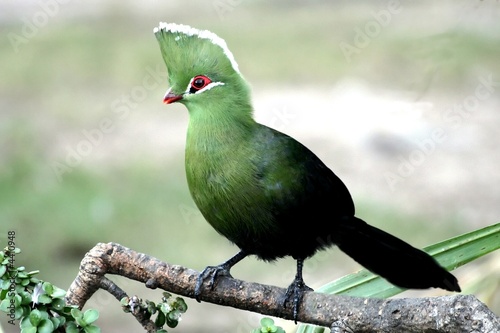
{"x":458,"y":313}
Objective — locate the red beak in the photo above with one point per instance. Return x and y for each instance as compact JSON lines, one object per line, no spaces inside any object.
{"x":171,"y":97}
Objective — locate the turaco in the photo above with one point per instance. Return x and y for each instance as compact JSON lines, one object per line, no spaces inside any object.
{"x":263,"y":190}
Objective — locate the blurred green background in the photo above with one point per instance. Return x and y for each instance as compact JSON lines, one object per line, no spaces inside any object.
{"x":88,"y":153}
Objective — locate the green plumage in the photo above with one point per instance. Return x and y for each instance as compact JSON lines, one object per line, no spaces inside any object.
{"x":262,"y":201}
{"x":262,"y":189}
{"x":253,"y":184}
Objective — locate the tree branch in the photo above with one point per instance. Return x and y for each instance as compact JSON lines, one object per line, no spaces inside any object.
{"x":459,"y":313}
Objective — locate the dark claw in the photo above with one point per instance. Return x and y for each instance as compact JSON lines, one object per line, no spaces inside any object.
{"x":295,"y":292}
{"x":213,"y":272}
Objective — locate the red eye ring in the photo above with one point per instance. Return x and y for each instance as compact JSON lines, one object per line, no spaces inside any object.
{"x":199,"y":82}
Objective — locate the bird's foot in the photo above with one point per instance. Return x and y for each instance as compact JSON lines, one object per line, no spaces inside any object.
{"x":294,"y":293}
{"x":213,"y":272}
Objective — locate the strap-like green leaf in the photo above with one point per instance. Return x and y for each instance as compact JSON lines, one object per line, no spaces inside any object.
{"x":450,"y":254}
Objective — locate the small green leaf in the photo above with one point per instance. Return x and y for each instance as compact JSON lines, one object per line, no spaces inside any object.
{"x":175,"y":315}
{"x":44,"y":299}
{"x":80,"y":322}
{"x":35,"y":317}
{"x":46,"y":326}
{"x":165,"y":308}
{"x":19,"y":313}
{"x":3,"y":269}
{"x":44,"y":314}
{"x":76,"y":313}
{"x":62,"y":320}
{"x":151,"y":307}
{"x":58,"y":292}
{"x":48,"y":288}
{"x":25,"y":297}
{"x":25,"y":322}
{"x":90,"y":316}
{"x":67,"y":309}
{"x":266,"y":321}
{"x":160,"y":319}
{"x":181,"y":305}
{"x":18,"y":300}
{"x":58,"y":304}
{"x":29,"y":330}
{"x":72,"y":328}
{"x":172,"y":322}
{"x":92,"y":329}
{"x":124,"y":301}
{"x":4,"y":305}
{"x":56,"y":321}
{"x":34,"y":281}
{"x":5,"y":284}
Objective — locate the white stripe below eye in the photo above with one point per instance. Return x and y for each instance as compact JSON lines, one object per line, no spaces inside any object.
{"x":208,"y":86}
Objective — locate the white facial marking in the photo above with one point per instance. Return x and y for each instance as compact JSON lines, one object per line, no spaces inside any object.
{"x":204,"y":34}
{"x":210,"y":86}
{"x":207,"y":87}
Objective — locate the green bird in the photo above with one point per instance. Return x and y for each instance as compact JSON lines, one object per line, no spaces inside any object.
{"x":263,"y":190}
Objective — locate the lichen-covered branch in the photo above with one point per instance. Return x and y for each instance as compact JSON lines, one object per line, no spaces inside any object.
{"x":458,"y":313}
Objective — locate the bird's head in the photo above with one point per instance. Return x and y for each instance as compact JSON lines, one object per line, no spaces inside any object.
{"x":201,"y":69}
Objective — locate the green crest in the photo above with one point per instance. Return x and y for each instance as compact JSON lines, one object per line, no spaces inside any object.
{"x":188,"y":52}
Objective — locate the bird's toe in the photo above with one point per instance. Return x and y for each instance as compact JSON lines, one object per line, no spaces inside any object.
{"x":211,"y":272}
{"x":294,"y":294}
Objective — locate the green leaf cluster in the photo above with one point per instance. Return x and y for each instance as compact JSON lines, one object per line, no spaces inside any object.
{"x":38,"y":305}
{"x":83,"y":321}
{"x":168,"y":311}
{"x":267,"y":326}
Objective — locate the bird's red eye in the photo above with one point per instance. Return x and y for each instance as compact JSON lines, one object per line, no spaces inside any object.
{"x":199,"y":82}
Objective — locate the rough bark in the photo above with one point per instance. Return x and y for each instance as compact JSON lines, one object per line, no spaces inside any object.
{"x":458,"y":313}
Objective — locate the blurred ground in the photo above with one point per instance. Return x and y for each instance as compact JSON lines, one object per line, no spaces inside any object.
{"x":401,"y":101}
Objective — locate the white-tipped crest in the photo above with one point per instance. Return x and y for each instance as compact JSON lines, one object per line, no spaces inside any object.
{"x":204,"y":34}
